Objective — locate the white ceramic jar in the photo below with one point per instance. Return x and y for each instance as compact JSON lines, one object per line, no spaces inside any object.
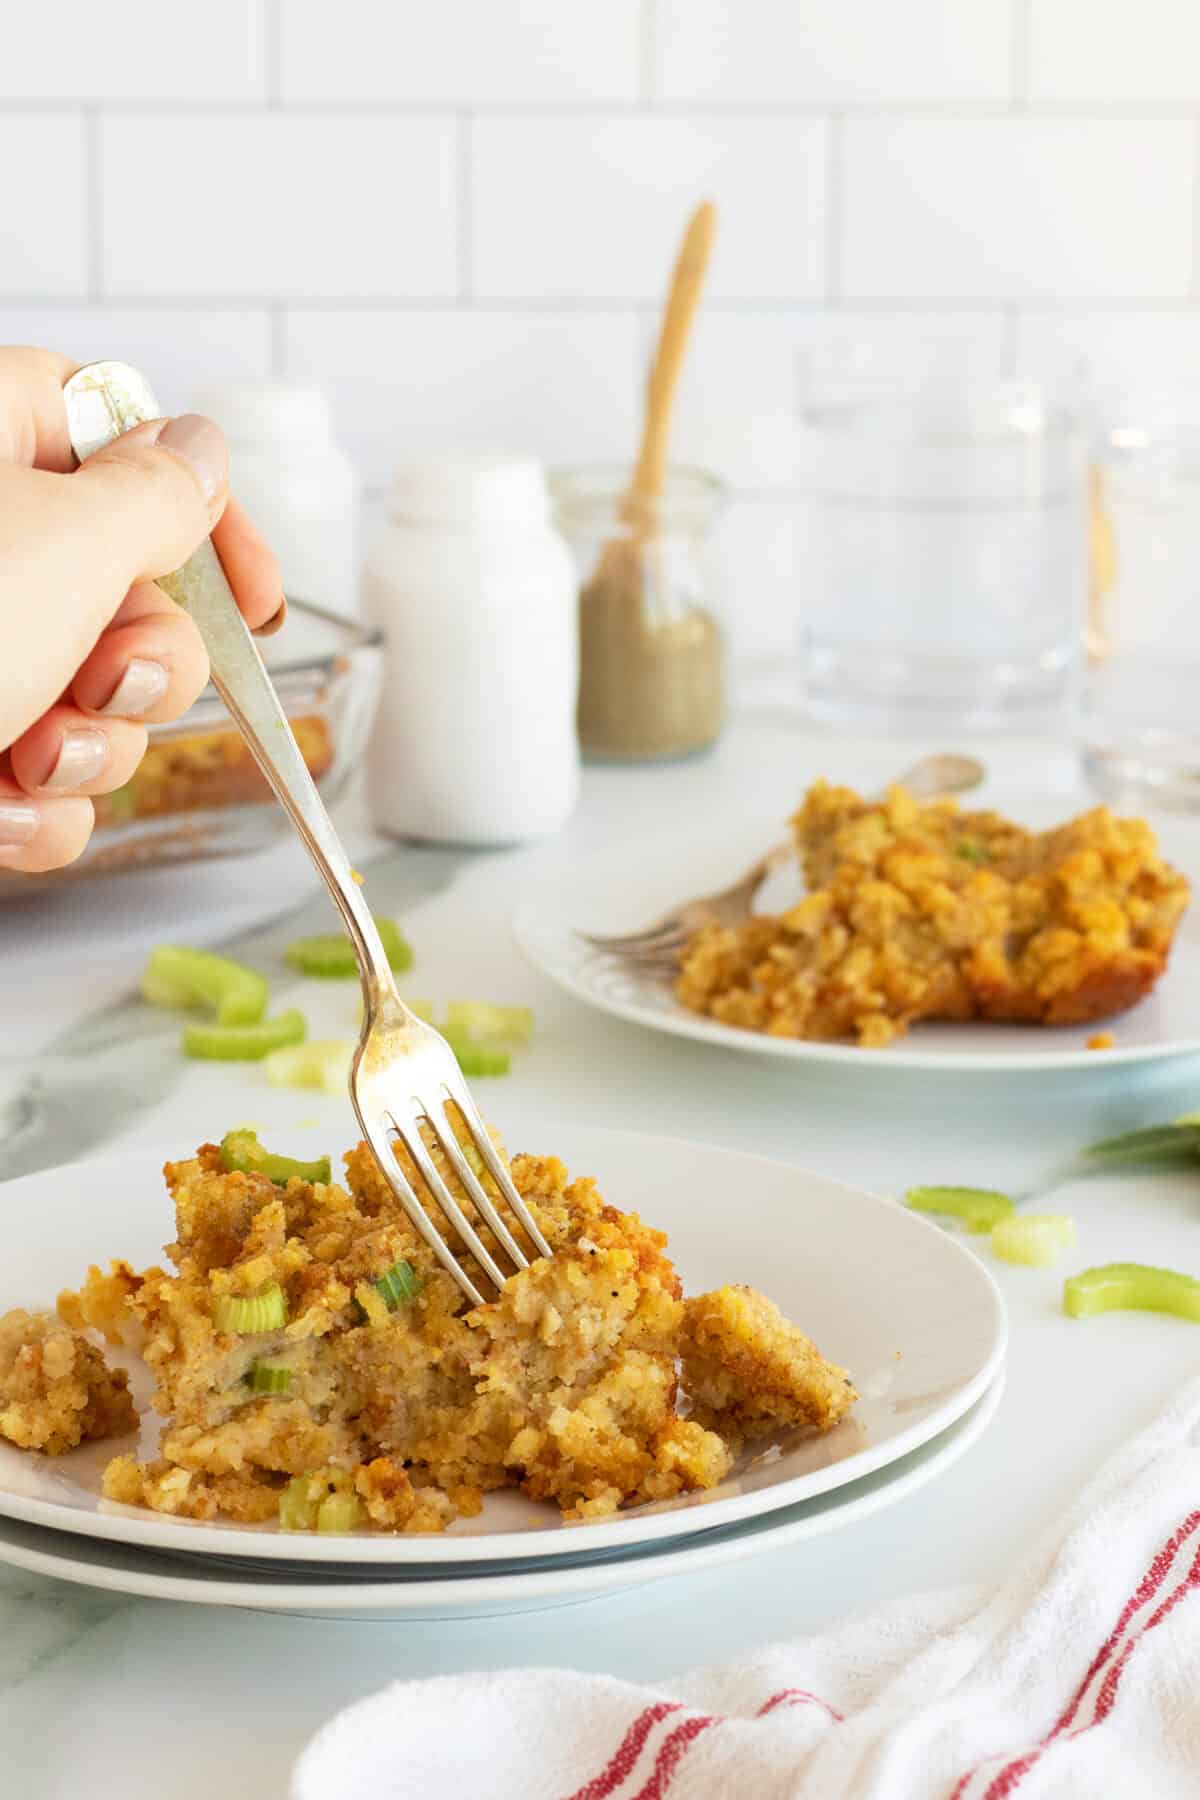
{"x":296,"y":482}
{"x":475,"y":592}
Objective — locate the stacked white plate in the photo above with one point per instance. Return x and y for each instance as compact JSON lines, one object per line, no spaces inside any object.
{"x":913,"y":1315}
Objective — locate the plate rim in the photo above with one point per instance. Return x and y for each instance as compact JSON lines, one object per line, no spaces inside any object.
{"x":581,"y":1582}
{"x":148,"y":1530}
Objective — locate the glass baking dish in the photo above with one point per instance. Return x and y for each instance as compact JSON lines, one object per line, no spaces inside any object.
{"x":198,"y":793}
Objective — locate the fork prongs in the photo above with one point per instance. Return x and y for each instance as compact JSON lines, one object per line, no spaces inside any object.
{"x":656,"y":941}
{"x":458,"y":1091}
{"x":413,"y":1143}
{"x":385,"y":1156}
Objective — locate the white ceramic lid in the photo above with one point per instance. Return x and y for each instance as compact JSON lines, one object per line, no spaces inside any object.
{"x":486,"y":486}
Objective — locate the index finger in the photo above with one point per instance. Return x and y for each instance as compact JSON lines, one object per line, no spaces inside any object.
{"x":33,"y":415}
{"x":250,"y":564}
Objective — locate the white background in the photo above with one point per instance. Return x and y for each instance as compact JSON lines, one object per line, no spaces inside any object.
{"x":462,"y":212}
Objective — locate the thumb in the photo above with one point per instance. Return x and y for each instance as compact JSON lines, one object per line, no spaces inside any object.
{"x":151,"y":496}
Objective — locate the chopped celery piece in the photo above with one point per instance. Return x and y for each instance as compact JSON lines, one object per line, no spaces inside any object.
{"x":972,"y":851}
{"x":270,"y":1378}
{"x":1179,"y":1142}
{"x":298,"y":1504}
{"x":319,"y":1063}
{"x":247,"y":1313}
{"x":1117,"y":1286}
{"x":399,"y":1284}
{"x":244,"y":1043}
{"x":241,"y":1151}
{"x":178,"y":977}
{"x":481,"y":1022}
{"x":339,"y":1512}
{"x":1037,"y":1239}
{"x":330,"y":955}
{"x":978,"y":1208}
{"x":476,"y":1059}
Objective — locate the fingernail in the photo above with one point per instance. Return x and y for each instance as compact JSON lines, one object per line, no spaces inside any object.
{"x":18,"y":822}
{"x":81,"y":758}
{"x":199,"y":443}
{"x":274,"y":623}
{"x":141,"y":687}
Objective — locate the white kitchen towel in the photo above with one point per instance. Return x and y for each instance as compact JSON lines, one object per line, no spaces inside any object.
{"x":1079,"y":1678}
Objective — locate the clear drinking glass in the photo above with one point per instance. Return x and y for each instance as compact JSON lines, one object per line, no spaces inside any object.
{"x":1140,"y":722}
{"x":651,"y":648}
{"x":947,"y":544}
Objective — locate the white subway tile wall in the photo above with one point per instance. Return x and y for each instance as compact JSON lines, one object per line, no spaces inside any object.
{"x":462,"y":216}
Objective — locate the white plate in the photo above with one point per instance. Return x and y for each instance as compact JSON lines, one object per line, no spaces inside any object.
{"x":406,"y":1594}
{"x":911,"y":1312}
{"x":625,"y":889}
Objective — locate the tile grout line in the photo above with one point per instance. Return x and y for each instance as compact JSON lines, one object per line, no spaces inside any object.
{"x":647,"y":51}
{"x":642,"y":305}
{"x":1020,"y":56}
{"x":273,"y":53}
{"x":956,"y":111}
{"x":94,"y":205}
{"x":464,"y":150}
{"x":835,"y":146}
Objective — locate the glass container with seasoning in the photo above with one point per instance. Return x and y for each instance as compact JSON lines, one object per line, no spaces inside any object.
{"x":652,"y":651}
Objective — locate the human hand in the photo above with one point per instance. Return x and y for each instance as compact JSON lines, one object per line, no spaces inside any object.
{"x":91,"y":652}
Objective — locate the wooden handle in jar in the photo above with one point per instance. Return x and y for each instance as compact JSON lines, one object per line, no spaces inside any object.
{"x":687,"y":280}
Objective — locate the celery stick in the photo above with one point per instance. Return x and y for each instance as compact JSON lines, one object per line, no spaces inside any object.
{"x":178,"y":977}
{"x":247,"y":1313}
{"x":322,"y":1063}
{"x":241,"y":1151}
{"x":978,"y":1208}
{"x":1036,"y":1239}
{"x":1119,"y":1286}
{"x":481,"y":1022}
{"x":329,"y":956}
{"x":244,"y":1043}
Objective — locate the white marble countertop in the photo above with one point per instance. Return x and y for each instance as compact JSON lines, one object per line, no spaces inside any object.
{"x":103,"y":1696}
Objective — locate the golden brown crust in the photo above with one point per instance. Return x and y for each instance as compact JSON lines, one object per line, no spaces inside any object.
{"x":749,"y":1371}
{"x":921,"y":911}
{"x":55,"y":1388}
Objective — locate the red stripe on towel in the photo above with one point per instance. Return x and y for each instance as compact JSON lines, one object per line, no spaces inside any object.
{"x":620,"y":1765}
{"x":1160,"y":1567}
{"x":671,"y":1752}
{"x":799,"y":1697}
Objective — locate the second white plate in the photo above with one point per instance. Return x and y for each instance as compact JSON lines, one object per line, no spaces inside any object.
{"x":624,"y":889}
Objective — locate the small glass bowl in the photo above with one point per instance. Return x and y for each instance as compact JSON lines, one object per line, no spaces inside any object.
{"x":198,"y":792}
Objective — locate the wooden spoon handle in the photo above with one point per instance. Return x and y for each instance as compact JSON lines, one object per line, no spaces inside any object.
{"x":691,"y":265}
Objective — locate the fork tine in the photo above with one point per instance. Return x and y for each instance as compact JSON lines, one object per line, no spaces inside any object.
{"x":415,"y":1146}
{"x":459,"y":1092}
{"x":480,"y":1198}
{"x":630,"y":941}
{"x":385,"y":1156}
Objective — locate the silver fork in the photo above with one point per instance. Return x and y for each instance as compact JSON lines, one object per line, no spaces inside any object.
{"x":655,"y":949}
{"x":404,"y":1074}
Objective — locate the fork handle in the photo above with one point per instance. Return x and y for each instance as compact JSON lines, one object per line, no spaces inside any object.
{"x":202,"y":588}
{"x":103,"y":400}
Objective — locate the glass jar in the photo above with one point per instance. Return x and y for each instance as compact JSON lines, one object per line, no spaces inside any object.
{"x":1140,"y":724}
{"x":947,"y":536}
{"x":651,"y":650}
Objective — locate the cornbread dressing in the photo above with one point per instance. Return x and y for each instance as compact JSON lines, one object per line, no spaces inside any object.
{"x":566,"y":1386}
{"x":922,"y":911}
